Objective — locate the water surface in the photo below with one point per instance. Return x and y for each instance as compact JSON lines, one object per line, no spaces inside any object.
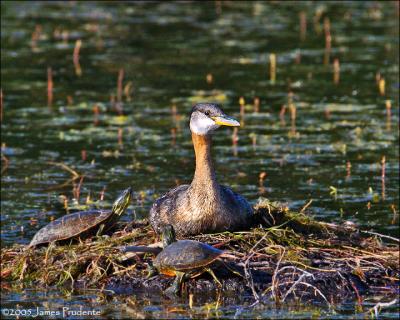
{"x":331,"y":152}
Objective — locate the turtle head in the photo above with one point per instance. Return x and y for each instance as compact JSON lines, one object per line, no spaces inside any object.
{"x":122,"y":202}
{"x":167,"y":235}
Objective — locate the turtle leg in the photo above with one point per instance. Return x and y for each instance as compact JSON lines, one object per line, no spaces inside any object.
{"x":151,"y":271}
{"x":214,"y":277}
{"x":175,"y":288}
{"x":100,"y":230}
{"x":232,"y":268}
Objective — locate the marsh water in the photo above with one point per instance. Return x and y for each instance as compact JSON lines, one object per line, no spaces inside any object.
{"x":334,"y":142}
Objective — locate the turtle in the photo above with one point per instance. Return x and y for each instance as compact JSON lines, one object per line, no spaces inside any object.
{"x":82,"y":224}
{"x":184,"y":259}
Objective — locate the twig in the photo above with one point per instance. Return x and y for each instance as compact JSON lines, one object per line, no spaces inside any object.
{"x":140,"y":249}
{"x":61,"y":186}
{"x":273,"y":284}
{"x":250,"y":282}
{"x":132,"y":267}
{"x":380,"y":235}
{"x":305,"y":274}
{"x":306,"y":206}
{"x":77,"y":189}
{"x":249,"y":277}
{"x":316,"y":290}
{"x":65,"y":167}
{"x":75,"y":175}
{"x":380,"y":305}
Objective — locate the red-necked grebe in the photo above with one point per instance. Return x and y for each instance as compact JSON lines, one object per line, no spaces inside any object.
{"x":204,"y":206}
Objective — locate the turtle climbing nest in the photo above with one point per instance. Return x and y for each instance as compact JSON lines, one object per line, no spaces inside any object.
{"x":287,"y":255}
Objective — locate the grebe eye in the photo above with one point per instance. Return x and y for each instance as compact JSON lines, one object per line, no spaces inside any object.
{"x":207,"y":113}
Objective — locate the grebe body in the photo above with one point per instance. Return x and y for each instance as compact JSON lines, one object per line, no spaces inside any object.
{"x":203,"y":206}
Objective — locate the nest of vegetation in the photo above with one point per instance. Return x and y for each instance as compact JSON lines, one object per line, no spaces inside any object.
{"x":288,"y":255}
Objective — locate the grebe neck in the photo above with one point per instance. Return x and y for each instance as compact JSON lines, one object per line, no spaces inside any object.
{"x":204,"y":175}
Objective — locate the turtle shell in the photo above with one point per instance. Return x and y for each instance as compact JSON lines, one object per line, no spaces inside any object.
{"x":184,"y":256}
{"x":73,"y":225}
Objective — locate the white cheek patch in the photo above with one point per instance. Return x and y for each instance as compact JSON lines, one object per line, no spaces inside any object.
{"x":203,"y":125}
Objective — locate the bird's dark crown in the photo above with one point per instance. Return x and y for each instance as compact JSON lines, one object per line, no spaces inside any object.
{"x":209,"y":109}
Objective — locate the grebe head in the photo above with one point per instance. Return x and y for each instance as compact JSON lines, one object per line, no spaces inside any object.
{"x":207,"y":117}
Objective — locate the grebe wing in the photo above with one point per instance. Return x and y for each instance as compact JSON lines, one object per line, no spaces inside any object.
{"x":237,"y":200}
{"x":166,"y":205}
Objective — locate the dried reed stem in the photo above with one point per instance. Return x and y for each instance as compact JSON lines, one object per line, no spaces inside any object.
{"x":303,"y":25}
{"x":348,"y":170}
{"x":35,"y":37}
{"x":328,"y":40}
{"x":128,"y":89}
{"x":261,"y":178}
{"x":242,"y":103}
{"x":381,"y":86}
{"x":336,"y":71}
{"x":388,"y":105}
{"x":1,"y":105}
{"x":120,"y":137}
{"x":49,"y":86}
{"x":173,"y":136}
{"x":383,"y":173}
{"x":272,"y":67}
{"x":119,"y":91}
{"x":282,"y":114}
{"x":209,"y":78}
{"x":119,"y":84}
{"x":75,"y":57}
{"x":256,"y":104}
{"x":96,"y":112}
{"x":83,"y":155}
{"x":102,"y":193}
